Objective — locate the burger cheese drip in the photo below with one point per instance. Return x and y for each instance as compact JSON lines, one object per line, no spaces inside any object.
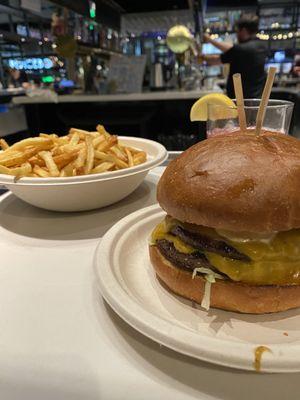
{"x":273,"y":260}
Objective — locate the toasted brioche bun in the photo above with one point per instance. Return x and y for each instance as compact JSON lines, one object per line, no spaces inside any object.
{"x":237,"y":182}
{"x":227,"y":295}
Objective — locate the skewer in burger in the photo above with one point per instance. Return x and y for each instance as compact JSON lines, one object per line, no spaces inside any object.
{"x":231,"y":237}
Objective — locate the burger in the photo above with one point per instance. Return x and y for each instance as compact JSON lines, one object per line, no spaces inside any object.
{"x":231,"y":235}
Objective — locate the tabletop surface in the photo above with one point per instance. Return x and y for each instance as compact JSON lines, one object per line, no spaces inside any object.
{"x":60,"y":340}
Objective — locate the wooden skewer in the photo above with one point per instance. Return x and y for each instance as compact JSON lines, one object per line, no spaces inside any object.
{"x":238,"y":89}
{"x":264,"y":100}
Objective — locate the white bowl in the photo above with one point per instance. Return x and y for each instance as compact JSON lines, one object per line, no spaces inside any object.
{"x":87,"y":192}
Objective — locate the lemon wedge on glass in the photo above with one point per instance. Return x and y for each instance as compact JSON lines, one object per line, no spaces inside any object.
{"x":224,"y":108}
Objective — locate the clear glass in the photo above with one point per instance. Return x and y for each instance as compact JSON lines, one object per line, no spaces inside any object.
{"x":222,"y":119}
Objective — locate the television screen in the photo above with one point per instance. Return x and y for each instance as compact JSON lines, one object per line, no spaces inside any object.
{"x":279,"y":56}
{"x":276,"y":65}
{"x":286,"y":67}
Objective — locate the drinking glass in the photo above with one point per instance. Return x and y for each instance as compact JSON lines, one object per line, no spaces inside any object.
{"x":223,"y":119}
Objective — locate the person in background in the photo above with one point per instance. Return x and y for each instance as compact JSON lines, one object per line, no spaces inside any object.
{"x":247,"y":57}
{"x":17,"y":78}
{"x":296,"y":68}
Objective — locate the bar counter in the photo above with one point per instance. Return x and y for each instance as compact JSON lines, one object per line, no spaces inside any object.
{"x":103,"y":98}
{"x":162,"y":116}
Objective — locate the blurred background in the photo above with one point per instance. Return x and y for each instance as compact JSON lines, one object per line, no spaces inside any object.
{"x":67,"y":63}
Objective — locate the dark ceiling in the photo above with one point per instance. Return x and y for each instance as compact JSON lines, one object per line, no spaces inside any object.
{"x":231,"y":3}
{"x":135,"y":6}
{"x":140,"y":6}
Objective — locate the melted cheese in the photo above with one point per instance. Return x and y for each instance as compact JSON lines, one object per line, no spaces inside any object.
{"x":246,"y":237}
{"x":161,"y":232}
{"x":277,"y":272}
{"x":276,"y":261}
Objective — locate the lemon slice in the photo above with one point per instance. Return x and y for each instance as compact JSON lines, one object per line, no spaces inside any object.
{"x":226,"y":108}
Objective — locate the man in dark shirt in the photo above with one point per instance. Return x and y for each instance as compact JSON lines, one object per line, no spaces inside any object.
{"x":246,"y":57}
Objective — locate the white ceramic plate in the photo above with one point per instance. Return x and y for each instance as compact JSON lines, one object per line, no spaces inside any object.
{"x":87,"y":192}
{"x":128,"y":283}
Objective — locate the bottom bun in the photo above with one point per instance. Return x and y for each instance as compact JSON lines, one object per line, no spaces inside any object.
{"x":227,"y":295}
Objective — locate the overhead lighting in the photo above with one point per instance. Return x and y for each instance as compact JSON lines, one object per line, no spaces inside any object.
{"x":275,"y":25}
{"x":40,"y":42}
{"x":54,"y":46}
{"x":23,"y":40}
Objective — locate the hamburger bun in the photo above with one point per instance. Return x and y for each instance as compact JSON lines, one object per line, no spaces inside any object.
{"x":226,"y":294}
{"x":239,"y":182}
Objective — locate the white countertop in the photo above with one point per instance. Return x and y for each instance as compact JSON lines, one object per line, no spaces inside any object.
{"x":91,"y":98}
{"x":12,"y":91}
{"x":60,"y":340}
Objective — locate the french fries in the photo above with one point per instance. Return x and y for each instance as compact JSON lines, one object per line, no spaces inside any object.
{"x":43,"y":143}
{"x":75,"y":139}
{"x":78,"y":153}
{"x":129,"y":156}
{"x":89,"y":154}
{"x":3,"y":144}
{"x":139,"y":158}
{"x":22,"y":170}
{"x":105,"y":166}
{"x":41,"y":172}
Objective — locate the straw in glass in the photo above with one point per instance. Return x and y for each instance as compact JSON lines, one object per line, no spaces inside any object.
{"x":238,"y":89}
{"x":264,"y":100}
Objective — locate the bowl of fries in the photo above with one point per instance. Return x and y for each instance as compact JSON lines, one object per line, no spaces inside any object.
{"x":77,"y":172}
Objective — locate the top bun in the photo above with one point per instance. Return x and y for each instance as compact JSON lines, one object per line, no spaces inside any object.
{"x":238,"y":182}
